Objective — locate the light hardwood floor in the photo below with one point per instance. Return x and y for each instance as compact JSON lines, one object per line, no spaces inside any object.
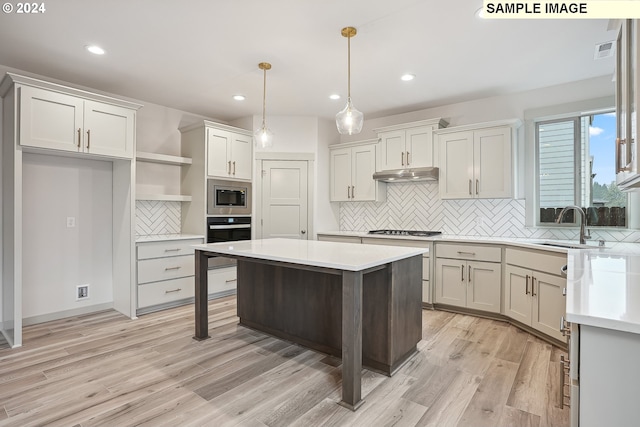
{"x":106,"y":370}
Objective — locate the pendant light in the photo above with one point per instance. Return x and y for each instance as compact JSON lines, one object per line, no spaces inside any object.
{"x":349,"y":120}
{"x":263,"y":136}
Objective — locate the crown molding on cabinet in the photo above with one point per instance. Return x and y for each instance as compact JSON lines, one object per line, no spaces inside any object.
{"x":440,"y":122}
{"x":514,"y":123}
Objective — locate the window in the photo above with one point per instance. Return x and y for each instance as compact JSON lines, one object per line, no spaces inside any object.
{"x":576,"y":166}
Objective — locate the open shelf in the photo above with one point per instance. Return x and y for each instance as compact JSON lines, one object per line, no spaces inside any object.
{"x":164,"y":159}
{"x":164,"y":197}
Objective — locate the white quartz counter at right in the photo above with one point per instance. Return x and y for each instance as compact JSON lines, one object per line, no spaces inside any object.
{"x":603,"y":290}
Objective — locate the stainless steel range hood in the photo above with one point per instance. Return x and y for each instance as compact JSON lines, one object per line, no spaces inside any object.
{"x":405,"y":175}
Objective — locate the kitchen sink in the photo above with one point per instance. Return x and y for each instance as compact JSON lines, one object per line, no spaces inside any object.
{"x":568,"y":245}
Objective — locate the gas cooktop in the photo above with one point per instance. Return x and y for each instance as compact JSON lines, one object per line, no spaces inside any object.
{"x":417,"y":233}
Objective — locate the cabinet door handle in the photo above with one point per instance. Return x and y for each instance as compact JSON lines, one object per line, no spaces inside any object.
{"x":79,"y":136}
{"x":526,"y":285}
{"x":234,"y":167}
{"x":462,"y":272}
{"x":477,"y":186}
{"x":470,"y":192}
{"x":172,"y":268}
{"x":229,"y":167}
{"x":172,"y":250}
{"x":618,"y":142}
{"x":402,"y":158}
{"x":88,"y":138}
{"x":561,"y":382}
{"x":466,"y":253}
{"x":533,"y":286}
{"x":348,"y":192}
{"x":353,"y":192}
{"x":230,"y":280}
{"x":469,"y":275}
{"x":173,"y":290}
{"x":408,"y":161}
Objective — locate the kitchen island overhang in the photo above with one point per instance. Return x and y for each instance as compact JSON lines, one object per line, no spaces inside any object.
{"x":358,"y":302}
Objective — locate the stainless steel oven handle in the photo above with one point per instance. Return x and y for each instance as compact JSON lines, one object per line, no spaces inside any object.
{"x":228,"y":227}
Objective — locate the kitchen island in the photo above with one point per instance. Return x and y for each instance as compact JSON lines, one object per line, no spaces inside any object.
{"x":358,"y":302}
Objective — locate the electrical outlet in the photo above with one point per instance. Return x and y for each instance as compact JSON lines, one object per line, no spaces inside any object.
{"x":82,"y":292}
{"x":71,"y":221}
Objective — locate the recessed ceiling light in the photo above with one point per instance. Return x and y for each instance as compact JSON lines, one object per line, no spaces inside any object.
{"x":407,"y":77}
{"x":239,"y":97}
{"x":334,"y":96}
{"x":96,"y":50}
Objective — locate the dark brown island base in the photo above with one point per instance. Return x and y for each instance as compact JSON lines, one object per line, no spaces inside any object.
{"x":358,"y":302}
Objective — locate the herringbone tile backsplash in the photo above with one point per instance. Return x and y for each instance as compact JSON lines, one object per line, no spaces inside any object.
{"x":417,"y":206}
{"x":157,"y":217}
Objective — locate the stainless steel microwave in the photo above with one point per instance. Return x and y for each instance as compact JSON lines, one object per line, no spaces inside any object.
{"x":228,"y":197}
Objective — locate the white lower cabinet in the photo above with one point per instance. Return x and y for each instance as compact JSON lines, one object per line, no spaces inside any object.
{"x":222,"y":280}
{"x":165,"y":273}
{"x":533,"y":294}
{"x":470,"y":279}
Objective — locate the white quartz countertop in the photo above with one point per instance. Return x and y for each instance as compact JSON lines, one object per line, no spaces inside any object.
{"x":540,"y":244}
{"x":603,"y":290}
{"x":341,"y":256}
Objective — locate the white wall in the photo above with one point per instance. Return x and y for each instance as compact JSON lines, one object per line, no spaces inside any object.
{"x":58,"y":258}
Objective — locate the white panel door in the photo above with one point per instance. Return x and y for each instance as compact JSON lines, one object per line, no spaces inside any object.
{"x":340,"y":175}
{"x":218,"y":153}
{"x":284,"y":199}
{"x":517,"y":294}
{"x":492,"y":163}
{"x":50,"y":120}
{"x":456,"y":165}
{"x":483,"y":287}
{"x":450,"y":282}
{"x":109,"y":130}
{"x":241,"y":156}
{"x":419,"y":145}
{"x":549,"y":304}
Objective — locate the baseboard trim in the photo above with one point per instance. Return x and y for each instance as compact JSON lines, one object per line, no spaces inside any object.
{"x":66,"y":313}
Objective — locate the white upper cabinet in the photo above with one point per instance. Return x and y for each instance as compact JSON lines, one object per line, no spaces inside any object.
{"x":66,"y":122}
{"x":408,"y":145}
{"x":229,"y":154}
{"x":626,"y":84}
{"x":476,"y":161}
{"x":352,"y":168}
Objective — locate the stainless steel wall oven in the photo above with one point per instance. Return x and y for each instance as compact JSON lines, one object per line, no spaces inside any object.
{"x":227,"y":229}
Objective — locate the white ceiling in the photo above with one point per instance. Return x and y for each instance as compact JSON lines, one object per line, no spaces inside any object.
{"x":195,"y":55}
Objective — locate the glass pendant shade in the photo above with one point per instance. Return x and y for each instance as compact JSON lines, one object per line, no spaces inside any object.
{"x":263,"y":137}
{"x":349,"y":121}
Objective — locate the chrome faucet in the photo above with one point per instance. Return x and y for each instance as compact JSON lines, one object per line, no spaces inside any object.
{"x":584,"y":232}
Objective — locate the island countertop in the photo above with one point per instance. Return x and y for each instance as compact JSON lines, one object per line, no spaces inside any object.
{"x":342,"y":256}
{"x":603,"y":290}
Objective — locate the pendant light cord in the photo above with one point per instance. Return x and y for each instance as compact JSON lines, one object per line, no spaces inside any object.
{"x":264,"y":99}
{"x":349,"y":67}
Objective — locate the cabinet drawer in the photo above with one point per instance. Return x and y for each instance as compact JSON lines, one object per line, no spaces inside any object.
{"x":222,"y":280}
{"x":166,"y":291}
{"x":537,"y":260}
{"x":470,"y":252}
{"x":153,"y":270}
{"x":396,"y":242}
{"x":150,"y":250}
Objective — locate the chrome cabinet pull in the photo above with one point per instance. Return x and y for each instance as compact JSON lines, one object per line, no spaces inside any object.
{"x":79,"y":136}
{"x":469,"y":275}
{"x":402,"y":158}
{"x":88,"y":138}
{"x":408,"y":162}
{"x":470,"y":192}
{"x":172,"y":268}
{"x":462,"y":271}
{"x":173,"y":290}
{"x":477,"y":186}
{"x":234,"y":167}
{"x":526,"y":285}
